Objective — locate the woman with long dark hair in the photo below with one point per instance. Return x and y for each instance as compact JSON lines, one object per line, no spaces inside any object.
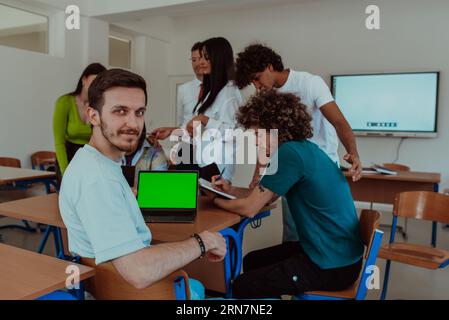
{"x":218,"y":102}
{"x":71,"y":129}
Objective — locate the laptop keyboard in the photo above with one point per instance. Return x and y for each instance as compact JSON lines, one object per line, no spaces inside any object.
{"x":155,"y":217}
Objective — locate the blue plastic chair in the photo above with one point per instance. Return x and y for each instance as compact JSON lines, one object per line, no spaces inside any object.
{"x":58,"y":295}
{"x":372,"y":239}
{"x":233,"y":258}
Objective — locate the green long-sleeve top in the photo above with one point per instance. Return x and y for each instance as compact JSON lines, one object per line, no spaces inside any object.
{"x":68,"y":126}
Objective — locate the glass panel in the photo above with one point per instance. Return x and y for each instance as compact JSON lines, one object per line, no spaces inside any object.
{"x":22,"y":29}
{"x":119,"y":52}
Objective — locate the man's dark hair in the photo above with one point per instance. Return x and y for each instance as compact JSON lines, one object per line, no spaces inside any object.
{"x":111,"y":79}
{"x":253,"y":59}
{"x":197,"y":46}
{"x":273,"y":110}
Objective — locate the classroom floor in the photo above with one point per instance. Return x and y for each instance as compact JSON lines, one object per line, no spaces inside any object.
{"x":406,"y":282}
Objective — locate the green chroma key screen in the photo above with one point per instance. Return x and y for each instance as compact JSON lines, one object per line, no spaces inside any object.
{"x":167,"y":190}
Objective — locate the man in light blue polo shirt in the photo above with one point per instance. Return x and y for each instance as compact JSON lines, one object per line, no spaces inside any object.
{"x":97,"y":205}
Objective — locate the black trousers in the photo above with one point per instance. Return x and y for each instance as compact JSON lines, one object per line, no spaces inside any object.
{"x":287,"y":270}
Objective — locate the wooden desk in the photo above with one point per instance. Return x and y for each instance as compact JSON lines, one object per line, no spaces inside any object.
{"x":45,"y":210}
{"x":209,"y":218}
{"x":26,"y":275}
{"x":41,"y":209}
{"x":381,"y":188}
{"x":10,"y":175}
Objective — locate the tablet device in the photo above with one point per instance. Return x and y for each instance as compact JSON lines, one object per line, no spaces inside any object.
{"x":207,"y":185}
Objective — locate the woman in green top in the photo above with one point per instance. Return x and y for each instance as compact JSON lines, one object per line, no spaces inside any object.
{"x":71,"y":128}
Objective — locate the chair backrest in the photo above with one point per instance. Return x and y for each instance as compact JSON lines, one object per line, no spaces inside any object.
{"x":43,"y":158}
{"x":372,"y":238}
{"x":10,"y":162}
{"x":422,"y":205}
{"x":369,"y":221}
{"x":108,"y":284}
{"x":370,"y":264}
{"x":396,"y":167}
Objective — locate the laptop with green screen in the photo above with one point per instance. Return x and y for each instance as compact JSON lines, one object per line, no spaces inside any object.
{"x":168,"y":196}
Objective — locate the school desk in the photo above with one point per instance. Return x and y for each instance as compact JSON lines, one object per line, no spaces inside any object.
{"x":45,"y":209}
{"x":26,"y":275}
{"x":383,"y":188}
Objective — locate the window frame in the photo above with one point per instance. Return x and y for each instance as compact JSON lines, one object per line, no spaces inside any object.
{"x":114,"y":32}
{"x":50,"y":49}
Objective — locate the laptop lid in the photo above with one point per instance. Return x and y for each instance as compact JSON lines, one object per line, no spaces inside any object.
{"x":169,"y":191}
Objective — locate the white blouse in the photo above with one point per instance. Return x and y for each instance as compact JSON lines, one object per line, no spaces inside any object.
{"x":221,"y":116}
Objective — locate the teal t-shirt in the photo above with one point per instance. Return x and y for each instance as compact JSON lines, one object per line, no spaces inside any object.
{"x":320,"y":202}
{"x":99,"y":209}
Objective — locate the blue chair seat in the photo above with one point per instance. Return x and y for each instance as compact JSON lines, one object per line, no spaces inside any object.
{"x":57,"y":295}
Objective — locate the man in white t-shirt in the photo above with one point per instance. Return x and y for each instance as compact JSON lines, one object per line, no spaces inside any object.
{"x":263,"y":67}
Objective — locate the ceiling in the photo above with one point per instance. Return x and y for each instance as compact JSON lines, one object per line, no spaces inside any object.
{"x":197,"y":8}
{"x":132,"y":10}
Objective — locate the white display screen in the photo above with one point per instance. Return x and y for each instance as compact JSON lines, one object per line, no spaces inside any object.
{"x":405,"y":102}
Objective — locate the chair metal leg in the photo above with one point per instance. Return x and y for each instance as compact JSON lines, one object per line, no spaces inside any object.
{"x":434,"y":233}
{"x":386,"y":277}
{"x":26,"y":228}
{"x":27,"y":225}
{"x":57,"y":238}
{"x":405,"y":225}
{"x":44,"y":239}
{"x":56,"y":242}
{"x":398,"y":228}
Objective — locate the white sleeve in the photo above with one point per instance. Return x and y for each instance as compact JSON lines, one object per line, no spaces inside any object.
{"x":180,"y":106}
{"x":224,"y":118}
{"x":320,"y":92}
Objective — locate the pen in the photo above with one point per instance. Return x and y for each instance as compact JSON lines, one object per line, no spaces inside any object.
{"x":221,"y":174}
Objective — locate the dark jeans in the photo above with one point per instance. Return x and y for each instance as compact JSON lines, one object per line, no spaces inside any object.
{"x":286,"y":269}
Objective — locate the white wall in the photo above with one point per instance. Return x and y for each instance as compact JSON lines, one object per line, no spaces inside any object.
{"x":31,"y":83}
{"x":329,"y":37}
{"x":321,"y":36}
{"x":157,"y":81}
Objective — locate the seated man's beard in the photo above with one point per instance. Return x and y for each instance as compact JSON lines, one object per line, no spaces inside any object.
{"x":130,"y":147}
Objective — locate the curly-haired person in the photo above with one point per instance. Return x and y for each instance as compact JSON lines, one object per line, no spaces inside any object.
{"x":262,"y":66}
{"x":328,"y":254}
